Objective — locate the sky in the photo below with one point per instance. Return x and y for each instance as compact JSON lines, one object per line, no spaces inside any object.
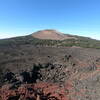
{"x":23,"y":17}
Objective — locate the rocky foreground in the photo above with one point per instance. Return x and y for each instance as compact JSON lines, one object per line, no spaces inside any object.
{"x":43,"y":73}
{"x":39,"y":91}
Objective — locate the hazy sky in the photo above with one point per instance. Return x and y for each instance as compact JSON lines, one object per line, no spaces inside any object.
{"x":21,"y":17}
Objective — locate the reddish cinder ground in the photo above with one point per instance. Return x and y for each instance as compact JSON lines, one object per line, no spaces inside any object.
{"x":39,"y":91}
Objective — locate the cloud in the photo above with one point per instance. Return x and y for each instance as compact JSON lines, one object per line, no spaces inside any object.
{"x":94,"y":36}
{"x":6,"y":35}
{"x":9,"y":35}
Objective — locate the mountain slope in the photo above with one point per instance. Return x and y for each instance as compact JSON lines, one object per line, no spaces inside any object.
{"x":62,"y":40}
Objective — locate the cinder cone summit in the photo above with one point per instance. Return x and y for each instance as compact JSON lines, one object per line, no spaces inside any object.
{"x":51,"y":34}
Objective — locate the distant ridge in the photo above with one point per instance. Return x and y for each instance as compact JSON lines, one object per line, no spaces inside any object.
{"x":50,"y":38}
{"x":51,"y":34}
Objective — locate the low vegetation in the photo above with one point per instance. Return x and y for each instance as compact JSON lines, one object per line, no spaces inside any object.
{"x":79,"y":42}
